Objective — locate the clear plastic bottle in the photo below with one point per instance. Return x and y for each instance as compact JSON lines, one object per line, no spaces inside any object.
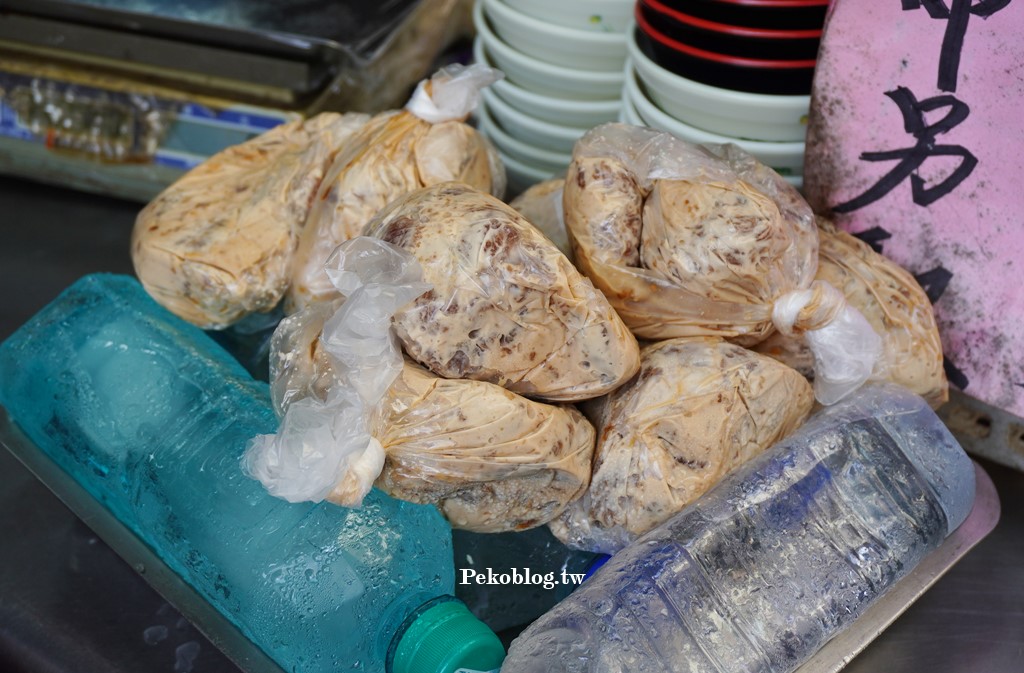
{"x":151,"y":417}
{"x":540,"y":569}
{"x":760,"y":572}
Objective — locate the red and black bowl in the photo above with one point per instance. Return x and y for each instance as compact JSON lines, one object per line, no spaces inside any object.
{"x":780,"y":14}
{"x":764,"y":43}
{"x":782,"y":77}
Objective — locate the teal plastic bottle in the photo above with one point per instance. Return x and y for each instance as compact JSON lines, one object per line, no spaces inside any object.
{"x":151,"y":417}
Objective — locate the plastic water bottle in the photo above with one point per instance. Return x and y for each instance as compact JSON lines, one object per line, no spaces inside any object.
{"x":510,"y":579}
{"x":764,"y":569}
{"x":151,"y":417}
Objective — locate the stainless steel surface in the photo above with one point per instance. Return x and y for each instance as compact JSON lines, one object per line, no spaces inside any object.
{"x":67,"y":603}
{"x":301,"y":76}
{"x":290,"y":26}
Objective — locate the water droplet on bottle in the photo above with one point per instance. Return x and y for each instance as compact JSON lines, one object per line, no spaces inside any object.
{"x":154,"y":634}
{"x":185,"y":656}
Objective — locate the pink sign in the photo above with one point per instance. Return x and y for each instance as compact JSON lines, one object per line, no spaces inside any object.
{"x":916,"y":145}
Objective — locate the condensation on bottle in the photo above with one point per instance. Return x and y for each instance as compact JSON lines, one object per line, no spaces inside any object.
{"x":151,"y":417}
{"x":777,"y":559}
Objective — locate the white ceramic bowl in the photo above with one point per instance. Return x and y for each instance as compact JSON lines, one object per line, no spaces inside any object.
{"x":730,"y":113}
{"x":605,"y":16}
{"x":629,"y":115}
{"x":522,"y":176}
{"x":785,"y":158}
{"x":564,"y":111}
{"x":541,"y":77}
{"x":546,"y":41}
{"x":531,"y":130}
{"x":535,"y":157}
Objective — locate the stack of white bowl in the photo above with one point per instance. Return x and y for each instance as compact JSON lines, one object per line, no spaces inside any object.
{"x":564,"y":64}
{"x":770,"y":127}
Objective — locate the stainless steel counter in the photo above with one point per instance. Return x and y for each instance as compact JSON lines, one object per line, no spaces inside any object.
{"x":68,"y":603}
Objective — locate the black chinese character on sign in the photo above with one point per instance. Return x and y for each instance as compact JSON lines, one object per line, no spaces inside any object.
{"x":934,"y":282}
{"x":954,"y":374}
{"x":956,"y":17}
{"x":874,"y":237}
{"x":911,"y":158}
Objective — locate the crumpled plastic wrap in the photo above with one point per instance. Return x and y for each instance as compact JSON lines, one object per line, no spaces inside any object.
{"x":506,"y":306}
{"x":541,"y":205}
{"x":686,"y":240}
{"x":891,"y":301}
{"x":218,"y":244}
{"x":491,"y":460}
{"x":395,"y":153}
{"x":324,"y":446}
{"x":699,"y":408}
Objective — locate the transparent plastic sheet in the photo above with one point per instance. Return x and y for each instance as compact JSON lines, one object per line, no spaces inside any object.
{"x":397,"y":152}
{"x":891,"y":301}
{"x":506,"y":306}
{"x":699,"y":408}
{"x":689,"y":240}
{"x":354,"y":413}
{"x":541,"y":205}
{"x":217,"y":245}
{"x":323,"y":446}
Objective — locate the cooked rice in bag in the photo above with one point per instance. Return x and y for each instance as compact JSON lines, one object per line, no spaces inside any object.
{"x":689,"y":240}
{"x":396,"y":152}
{"x":891,"y":301}
{"x":506,"y":306}
{"x":699,"y":408}
{"x":541,"y":205}
{"x":355,"y":414}
{"x":218,"y":244}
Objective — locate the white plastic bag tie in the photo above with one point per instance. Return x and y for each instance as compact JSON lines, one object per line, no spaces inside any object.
{"x":845,"y":347}
{"x":453,"y":93}
{"x":324,"y":447}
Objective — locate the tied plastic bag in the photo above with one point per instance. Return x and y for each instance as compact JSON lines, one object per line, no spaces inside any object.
{"x":396,"y":152}
{"x":699,"y":408}
{"x":506,"y":306}
{"x":218,"y":244}
{"x":891,"y":301}
{"x":324,"y":446}
{"x":489,"y":459}
{"x":686,"y":240}
{"x":541,"y":205}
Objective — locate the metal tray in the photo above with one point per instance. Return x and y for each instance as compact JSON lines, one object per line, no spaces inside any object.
{"x":831,"y":658}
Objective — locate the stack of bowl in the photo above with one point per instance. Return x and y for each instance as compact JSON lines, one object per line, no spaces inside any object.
{"x":718,"y":71}
{"x":563,"y":62}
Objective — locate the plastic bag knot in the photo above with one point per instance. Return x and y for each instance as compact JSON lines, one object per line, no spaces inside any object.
{"x":452,"y":93}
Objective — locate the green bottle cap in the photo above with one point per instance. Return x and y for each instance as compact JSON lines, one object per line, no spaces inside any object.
{"x":445,"y":638}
